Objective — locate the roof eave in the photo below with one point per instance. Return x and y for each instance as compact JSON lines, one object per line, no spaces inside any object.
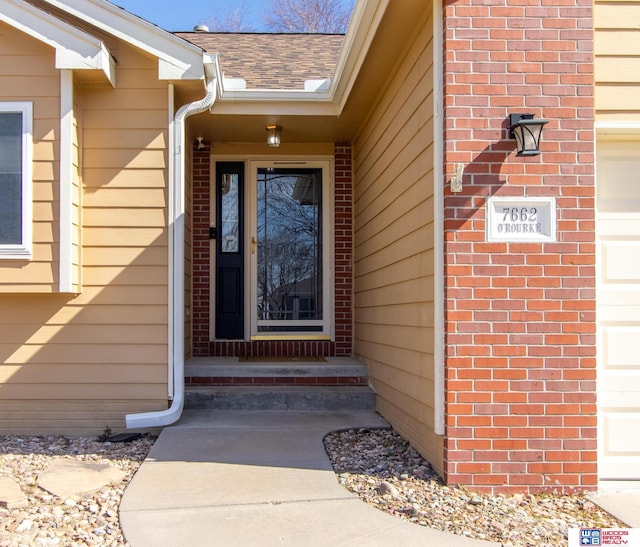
{"x":177,"y":58}
{"x":364,"y":23}
{"x":74,"y":48}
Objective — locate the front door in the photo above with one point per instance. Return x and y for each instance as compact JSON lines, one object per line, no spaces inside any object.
{"x":618,"y":309}
{"x":289,"y":256}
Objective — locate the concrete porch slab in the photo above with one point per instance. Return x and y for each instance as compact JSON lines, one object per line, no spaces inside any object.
{"x":257,"y":478}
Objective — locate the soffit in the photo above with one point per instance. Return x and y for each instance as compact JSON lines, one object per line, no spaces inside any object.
{"x":75,"y":49}
{"x":247,"y":122}
{"x":177,"y":58}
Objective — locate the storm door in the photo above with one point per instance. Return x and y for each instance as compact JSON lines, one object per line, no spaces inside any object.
{"x":229,"y":320}
{"x":289,"y":253}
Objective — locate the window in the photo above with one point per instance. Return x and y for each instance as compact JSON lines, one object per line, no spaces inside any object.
{"x":15,"y":180}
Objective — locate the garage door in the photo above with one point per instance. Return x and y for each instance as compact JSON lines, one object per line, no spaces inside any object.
{"x":618,"y":309}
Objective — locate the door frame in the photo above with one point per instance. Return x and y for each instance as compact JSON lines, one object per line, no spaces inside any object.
{"x":251,"y":164}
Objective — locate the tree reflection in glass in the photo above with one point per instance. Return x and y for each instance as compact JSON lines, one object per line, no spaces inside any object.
{"x":289,"y":237}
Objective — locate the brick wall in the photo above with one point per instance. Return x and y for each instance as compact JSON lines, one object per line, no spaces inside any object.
{"x":520,"y":317}
{"x":201,"y":249}
{"x":343,"y":278}
{"x":343,"y":241}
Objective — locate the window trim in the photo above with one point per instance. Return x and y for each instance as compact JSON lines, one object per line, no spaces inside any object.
{"x":22,"y":250}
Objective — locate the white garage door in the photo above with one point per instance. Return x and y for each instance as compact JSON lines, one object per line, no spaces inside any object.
{"x":618,"y":309}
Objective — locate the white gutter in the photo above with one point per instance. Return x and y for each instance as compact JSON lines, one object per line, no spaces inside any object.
{"x":161,"y":418}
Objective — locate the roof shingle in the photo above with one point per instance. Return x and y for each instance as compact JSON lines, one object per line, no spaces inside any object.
{"x":272,"y":61}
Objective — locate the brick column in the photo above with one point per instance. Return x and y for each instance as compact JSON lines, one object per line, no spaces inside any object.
{"x":520,"y":317}
{"x":343,"y":241}
{"x":201,"y":249}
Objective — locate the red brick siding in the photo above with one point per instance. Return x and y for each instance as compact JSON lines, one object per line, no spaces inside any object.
{"x":519,"y":317}
{"x":343,"y":278}
{"x":343,"y":241}
{"x":272,"y":348}
{"x":201,"y":216}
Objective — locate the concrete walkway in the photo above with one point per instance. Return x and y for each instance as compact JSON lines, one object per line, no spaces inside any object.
{"x":620,"y":499}
{"x":234,"y":478}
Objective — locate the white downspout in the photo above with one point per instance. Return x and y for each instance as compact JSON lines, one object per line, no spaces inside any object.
{"x":161,"y":418}
{"x":438,"y":179}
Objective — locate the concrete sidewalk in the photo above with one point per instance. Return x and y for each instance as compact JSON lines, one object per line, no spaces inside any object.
{"x":258,"y":479}
{"x":620,"y":499}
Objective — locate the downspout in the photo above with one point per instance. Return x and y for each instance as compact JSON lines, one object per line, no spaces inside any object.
{"x":439,"y":395}
{"x":161,"y":418}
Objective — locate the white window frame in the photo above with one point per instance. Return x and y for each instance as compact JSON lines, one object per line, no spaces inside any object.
{"x":22,"y":250}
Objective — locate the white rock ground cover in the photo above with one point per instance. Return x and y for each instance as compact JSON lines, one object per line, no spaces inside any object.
{"x":39,"y":517}
{"x":386,"y":472}
{"x":377,"y":465}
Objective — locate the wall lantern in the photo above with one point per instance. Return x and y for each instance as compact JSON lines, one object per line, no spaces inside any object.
{"x":526,"y":130}
{"x":273,"y":135}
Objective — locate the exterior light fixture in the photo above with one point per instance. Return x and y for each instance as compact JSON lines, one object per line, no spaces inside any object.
{"x":273,"y":135}
{"x":200,"y":143}
{"x":526,"y":130}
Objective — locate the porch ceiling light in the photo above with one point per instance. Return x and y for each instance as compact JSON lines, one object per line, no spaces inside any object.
{"x":526,"y":130}
{"x":273,"y":135}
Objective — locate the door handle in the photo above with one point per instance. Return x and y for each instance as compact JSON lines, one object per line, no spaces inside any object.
{"x":253,"y":245}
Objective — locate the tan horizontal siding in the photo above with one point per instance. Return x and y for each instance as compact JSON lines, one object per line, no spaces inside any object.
{"x":617,"y":60}
{"x":89,"y":334}
{"x":140,"y":237}
{"x":123,"y":295}
{"x":114,"y":198}
{"x":116,"y":178}
{"x":51,"y":390}
{"x":122,"y":256}
{"x":125,"y":275}
{"x":393,"y":247}
{"x":114,"y":352}
{"x":28,"y":73}
{"x":70,"y":417}
{"x":87,"y":373}
{"x":100,"y":354}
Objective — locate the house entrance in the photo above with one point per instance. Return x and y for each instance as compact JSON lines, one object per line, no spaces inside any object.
{"x":273,"y":254}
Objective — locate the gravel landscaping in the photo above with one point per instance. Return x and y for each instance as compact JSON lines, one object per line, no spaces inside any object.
{"x":377,"y":465}
{"x":78,"y":520}
{"x":384,"y":471}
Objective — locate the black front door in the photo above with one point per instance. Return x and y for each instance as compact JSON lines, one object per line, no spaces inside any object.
{"x":229,"y":234}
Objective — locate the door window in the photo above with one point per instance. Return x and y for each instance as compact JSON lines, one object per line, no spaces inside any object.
{"x":291,"y":263}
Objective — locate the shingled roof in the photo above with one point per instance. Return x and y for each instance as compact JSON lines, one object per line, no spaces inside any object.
{"x":272,"y":61}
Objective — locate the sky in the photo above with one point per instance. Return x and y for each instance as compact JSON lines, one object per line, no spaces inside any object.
{"x":183,"y":15}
